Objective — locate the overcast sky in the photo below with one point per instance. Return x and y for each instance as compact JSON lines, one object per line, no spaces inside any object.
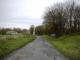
{"x":23,"y":13}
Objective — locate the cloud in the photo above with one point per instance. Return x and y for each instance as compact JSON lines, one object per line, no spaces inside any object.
{"x":23,"y":13}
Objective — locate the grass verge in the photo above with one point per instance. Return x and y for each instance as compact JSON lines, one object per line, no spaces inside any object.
{"x":68,"y":45}
{"x":7,"y":46}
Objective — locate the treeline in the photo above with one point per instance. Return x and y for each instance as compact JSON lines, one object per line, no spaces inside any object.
{"x":60,"y":19}
{"x":38,"y":30}
{"x":3,"y":31}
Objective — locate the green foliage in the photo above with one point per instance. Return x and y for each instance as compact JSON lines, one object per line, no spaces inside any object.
{"x":7,"y":46}
{"x":31,"y":29}
{"x":40,"y":30}
{"x":69,"y":45}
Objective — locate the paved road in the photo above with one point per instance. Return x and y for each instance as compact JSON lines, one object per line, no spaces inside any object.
{"x":39,"y":49}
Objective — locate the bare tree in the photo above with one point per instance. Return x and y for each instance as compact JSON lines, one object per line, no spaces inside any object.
{"x":62,"y":17}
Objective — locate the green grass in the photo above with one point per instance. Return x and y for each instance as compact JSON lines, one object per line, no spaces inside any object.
{"x":7,"y":46}
{"x":68,"y":45}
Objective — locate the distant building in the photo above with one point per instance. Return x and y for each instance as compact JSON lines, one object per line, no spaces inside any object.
{"x":12,"y":32}
{"x":28,"y":32}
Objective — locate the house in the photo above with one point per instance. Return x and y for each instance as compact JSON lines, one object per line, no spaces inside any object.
{"x":12,"y":32}
{"x":28,"y":32}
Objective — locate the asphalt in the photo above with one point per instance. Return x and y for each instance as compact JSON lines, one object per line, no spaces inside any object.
{"x":39,"y":49}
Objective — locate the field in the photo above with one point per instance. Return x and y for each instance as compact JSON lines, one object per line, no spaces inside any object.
{"x":9,"y":43}
{"x":68,"y":45}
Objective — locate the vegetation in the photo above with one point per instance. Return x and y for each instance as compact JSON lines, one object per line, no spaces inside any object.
{"x":9,"y":45}
{"x":69,"y":45}
{"x":60,"y":19}
{"x":40,"y":30}
{"x":31,"y":29}
{"x":3,"y":31}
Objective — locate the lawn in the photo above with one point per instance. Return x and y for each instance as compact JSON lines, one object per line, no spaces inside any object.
{"x":68,"y":45}
{"x":9,"y":45}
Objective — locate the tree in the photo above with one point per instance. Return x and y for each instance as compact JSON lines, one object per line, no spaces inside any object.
{"x":24,"y":31}
{"x":31,"y":29}
{"x":17,"y":30}
{"x":62,"y":17}
{"x":40,"y":30}
{"x":4,"y":30}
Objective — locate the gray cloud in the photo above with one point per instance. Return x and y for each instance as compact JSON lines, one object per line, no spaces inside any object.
{"x":23,"y":13}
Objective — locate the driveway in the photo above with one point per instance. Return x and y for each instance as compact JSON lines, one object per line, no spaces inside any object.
{"x":39,"y":49}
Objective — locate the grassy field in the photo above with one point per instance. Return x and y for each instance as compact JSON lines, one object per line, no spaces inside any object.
{"x":10,"y":43}
{"x":68,"y":45}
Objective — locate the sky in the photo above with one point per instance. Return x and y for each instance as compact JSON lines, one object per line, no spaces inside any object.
{"x":23,"y":13}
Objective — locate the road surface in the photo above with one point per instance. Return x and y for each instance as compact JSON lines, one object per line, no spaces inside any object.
{"x":39,"y":49}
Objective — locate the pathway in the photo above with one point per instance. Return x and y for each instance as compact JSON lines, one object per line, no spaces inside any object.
{"x":39,"y":49}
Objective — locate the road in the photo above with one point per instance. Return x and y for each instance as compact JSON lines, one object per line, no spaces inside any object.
{"x":39,"y":49}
